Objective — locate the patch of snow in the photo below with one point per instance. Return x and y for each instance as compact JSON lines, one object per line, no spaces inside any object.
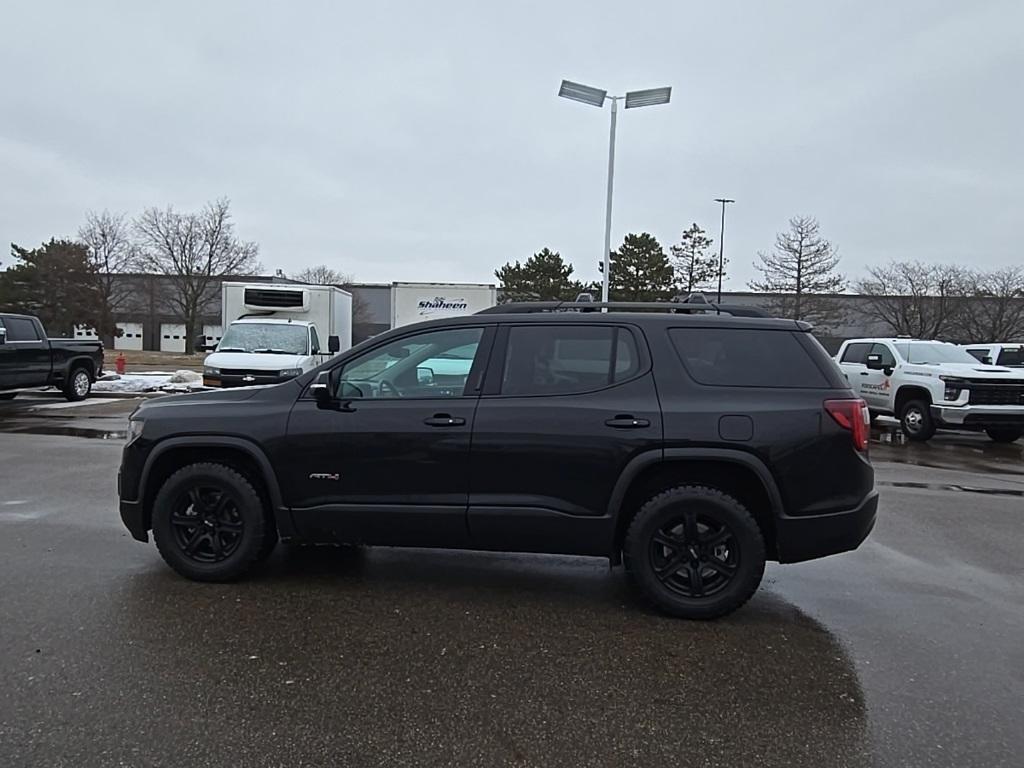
{"x":151,"y":381}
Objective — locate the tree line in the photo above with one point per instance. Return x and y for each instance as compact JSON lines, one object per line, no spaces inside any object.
{"x":801,"y":279}
{"x":80,"y":281}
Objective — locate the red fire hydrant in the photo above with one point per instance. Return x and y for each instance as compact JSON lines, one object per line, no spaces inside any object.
{"x":119,"y":363}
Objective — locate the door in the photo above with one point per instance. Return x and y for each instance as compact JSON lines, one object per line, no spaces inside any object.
{"x":853,"y":363}
{"x":390,"y":465}
{"x":130,"y":338}
{"x":27,"y":354}
{"x":876,"y":386}
{"x":172,"y":337}
{"x":565,"y":408}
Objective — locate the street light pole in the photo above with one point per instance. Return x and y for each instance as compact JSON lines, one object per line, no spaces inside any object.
{"x":721,"y":245}
{"x":596,"y":97}
{"x":608,"y":203}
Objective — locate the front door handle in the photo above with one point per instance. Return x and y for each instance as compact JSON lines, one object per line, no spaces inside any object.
{"x":864,"y":373}
{"x":444,"y":420}
{"x":622,"y":421}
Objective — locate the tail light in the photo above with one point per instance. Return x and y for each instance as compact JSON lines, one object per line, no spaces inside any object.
{"x":852,"y":415}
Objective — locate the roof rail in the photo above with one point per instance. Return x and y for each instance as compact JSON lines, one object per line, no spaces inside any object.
{"x":677,"y":307}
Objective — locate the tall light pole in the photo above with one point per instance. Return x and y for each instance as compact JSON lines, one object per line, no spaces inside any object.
{"x":595,"y":97}
{"x":721,"y":245}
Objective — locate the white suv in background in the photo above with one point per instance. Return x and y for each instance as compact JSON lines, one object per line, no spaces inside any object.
{"x":931,"y":384}
{"x":1011,"y":355}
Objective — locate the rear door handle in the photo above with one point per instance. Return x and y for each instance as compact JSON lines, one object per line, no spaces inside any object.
{"x":623,"y":421}
{"x":444,"y":420}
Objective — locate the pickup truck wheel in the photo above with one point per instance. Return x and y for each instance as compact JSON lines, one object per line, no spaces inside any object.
{"x":916,"y":420}
{"x":695,"y":552}
{"x":1004,"y":434}
{"x":78,"y":385}
{"x":209,"y":523}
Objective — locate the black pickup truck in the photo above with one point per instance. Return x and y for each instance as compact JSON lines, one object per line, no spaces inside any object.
{"x":29,"y":359}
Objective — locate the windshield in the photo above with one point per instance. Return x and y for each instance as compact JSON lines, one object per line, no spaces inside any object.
{"x":265,"y":338}
{"x":931,"y":352}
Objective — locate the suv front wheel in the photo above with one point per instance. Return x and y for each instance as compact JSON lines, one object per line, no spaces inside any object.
{"x":209,"y":523}
{"x":695,"y":552}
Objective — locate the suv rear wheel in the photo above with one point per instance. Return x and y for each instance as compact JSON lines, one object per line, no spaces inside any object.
{"x":209,"y":523}
{"x":916,"y":420}
{"x":1004,"y":434}
{"x":695,"y":552}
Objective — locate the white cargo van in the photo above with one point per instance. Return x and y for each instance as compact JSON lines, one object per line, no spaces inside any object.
{"x":416,"y":302}
{"x":275,"y":332}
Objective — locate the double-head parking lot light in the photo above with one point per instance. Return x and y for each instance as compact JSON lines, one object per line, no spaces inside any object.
{"x":595,"y":97}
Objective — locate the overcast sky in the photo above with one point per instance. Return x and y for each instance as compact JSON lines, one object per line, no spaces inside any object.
{"x":425,"y":141}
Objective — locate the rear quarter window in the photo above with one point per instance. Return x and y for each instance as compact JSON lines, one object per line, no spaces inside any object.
{"x":728,"y":357}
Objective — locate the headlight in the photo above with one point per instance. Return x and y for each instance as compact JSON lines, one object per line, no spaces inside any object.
{"x":290,"y":373}
{"x":209,"y":370}
{"x":134,"y":429}
{"x":954,"y":386}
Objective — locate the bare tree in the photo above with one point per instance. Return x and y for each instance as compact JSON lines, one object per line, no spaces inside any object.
{"x":915,"y":299}
{"x":112,"y":253}
{"x":321,"y":274}
{"x":197,"y":250}
{"x":801,"y":268}
{"x":694,"y":266}
{"x":993,"y":308}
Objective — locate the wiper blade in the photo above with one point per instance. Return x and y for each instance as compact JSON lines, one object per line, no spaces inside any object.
{"x":231,"y":349}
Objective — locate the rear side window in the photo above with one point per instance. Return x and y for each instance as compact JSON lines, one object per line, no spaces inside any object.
{"x":856,"y":353}
{"x":1011,"y":356}
{"x":561,"y":359}
{"x":727,"y":357}
{"x":20,"y":329}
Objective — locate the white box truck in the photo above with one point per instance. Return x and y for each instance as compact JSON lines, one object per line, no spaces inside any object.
{"x":416,"y":302}
{"x":274,"y":332}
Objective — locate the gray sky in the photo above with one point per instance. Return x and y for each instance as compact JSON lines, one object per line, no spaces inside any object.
{"x":424,"y":141}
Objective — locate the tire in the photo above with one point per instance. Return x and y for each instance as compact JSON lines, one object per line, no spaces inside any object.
{"x":916,"y":420}
{"x":659,"y":558}
{"x":232,"y":530}
{"x":1004,"y":434}
{"x":78,"y":384}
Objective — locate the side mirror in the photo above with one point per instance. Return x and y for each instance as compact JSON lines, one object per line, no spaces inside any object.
{"x":3,"y":336}
{"x":987,"y":359}
{"x":425,"y":376}
{"x":323,"y":390}
{"x":874,"y":362}
{"x":315,"y":351}
{"x":333,"y":345}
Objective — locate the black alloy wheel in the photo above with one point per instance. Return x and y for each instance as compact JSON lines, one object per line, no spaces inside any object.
{"x":694,"y":555}
{"x":207,"y":524}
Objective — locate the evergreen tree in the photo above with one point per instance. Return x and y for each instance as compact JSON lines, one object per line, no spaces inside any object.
{"x":694,"y":266}
{"x":640,"y":271}
{"x":544,"y":277}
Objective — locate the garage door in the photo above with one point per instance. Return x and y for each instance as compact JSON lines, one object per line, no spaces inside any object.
{"x":172,"y":337}
{"x":212,"y":334}
{"x":131,"y":336}
{"x":85,"y":333}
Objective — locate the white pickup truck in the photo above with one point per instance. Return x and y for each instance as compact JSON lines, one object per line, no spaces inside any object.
{"x":929,"y":385}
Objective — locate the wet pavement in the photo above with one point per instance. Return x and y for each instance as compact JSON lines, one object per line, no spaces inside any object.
{"x":906,"y":652}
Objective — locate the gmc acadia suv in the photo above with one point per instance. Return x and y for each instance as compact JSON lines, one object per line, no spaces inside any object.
{"x":690,"y":445}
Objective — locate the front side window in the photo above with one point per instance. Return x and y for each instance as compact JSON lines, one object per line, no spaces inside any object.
{"x":979,"y":354}
{"x":562,"y":359}
{"x":856,"y":353}
{"x":266,"y":338}
{"x":314,"y":344}
{"x":434,"y":364}
{"x":883,"y":351}
{"x":20,"y":329}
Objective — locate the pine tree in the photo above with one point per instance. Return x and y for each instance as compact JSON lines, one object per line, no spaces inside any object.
{"x":544,"y":277}
{"x":640,"y":271}
{"x":694,"y":266}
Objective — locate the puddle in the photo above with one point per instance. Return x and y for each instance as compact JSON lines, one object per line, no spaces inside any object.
{"x":96,"y":434}
{"x":952,"y":487}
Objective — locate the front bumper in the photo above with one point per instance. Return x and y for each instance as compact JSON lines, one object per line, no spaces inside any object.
{"x":808,"y":538}
{"x":979,"y":416}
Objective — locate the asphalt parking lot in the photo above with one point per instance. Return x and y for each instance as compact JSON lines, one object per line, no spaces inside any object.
{"x":906,"y":652}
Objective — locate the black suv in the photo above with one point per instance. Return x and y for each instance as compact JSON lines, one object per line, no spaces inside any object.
{"x":691,"y":445}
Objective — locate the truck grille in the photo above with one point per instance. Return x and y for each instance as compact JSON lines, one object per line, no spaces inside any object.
{"x":262,"y":374}
{"x":996,"y":394}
